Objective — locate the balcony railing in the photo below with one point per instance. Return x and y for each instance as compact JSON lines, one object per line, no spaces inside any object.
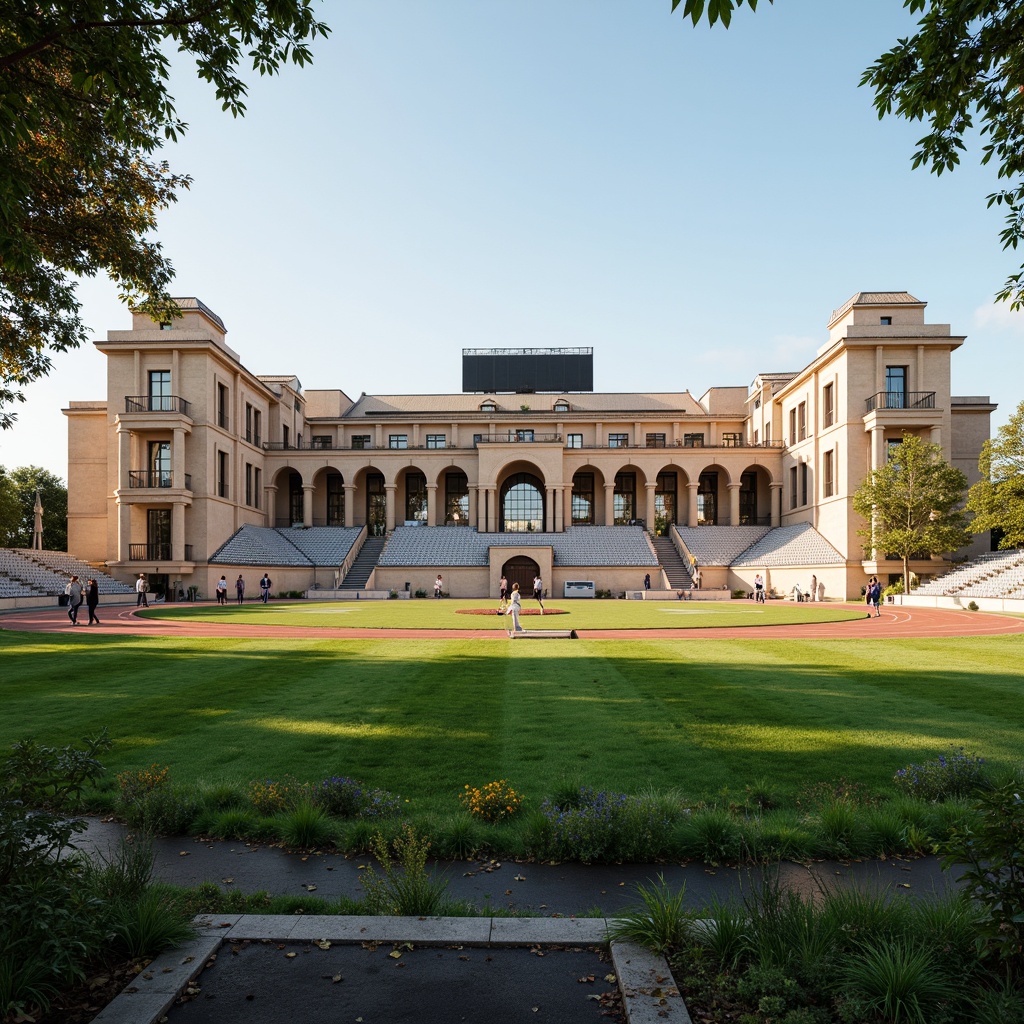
{"x":157,"y":403}
{"x":155,"y":478}
{"x":517,"y":437}
{"x":901,"y":400}
{"x":160,"y":552}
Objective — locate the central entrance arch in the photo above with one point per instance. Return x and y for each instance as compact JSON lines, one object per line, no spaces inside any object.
{"x":522,"y":570}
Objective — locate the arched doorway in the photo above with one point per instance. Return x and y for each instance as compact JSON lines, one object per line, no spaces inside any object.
{"x":522,"y":570}
{"x":522,"y":505}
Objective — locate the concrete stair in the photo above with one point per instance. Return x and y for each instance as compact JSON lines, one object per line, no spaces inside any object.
{"x":677,"y":572}
{"x":365,"y":563}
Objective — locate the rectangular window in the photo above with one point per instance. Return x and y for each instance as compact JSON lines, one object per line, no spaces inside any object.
{"x":477,"y":438}
{"x":885,"y":321}
{"x":828,"y":405}
{"x":574,"y":441}
{"x":257,"y":432}
{"x":828,"y":473}
{"x":321,"y":441}
{"x":618,"y":440}
{"x":767,"y":433}
{"x":792,"y":426}
{"x":398,"y":441}
{"x":335,"y":500}
{"x":158,"y":534}
{"x":222,"y":474}
{"x":248,"y":484}
{"x":896,"y":387}
{"x":524,"y":435}
{"x":624,"y":498}
{"x":693,"y":440}
{"x":456,"y":499}
{"x":222,"y":406}
{"x":792,"y":488}
{"x":159,"y":464}
{"x":159,"y":390}
{"x":360,"y":441}
{"x":755,"y":437}
{"x":802,"y":417}
{"x":286,"y":437}
{"x":248,"y":422}
{"x":803,"y":483}
{"x":257,"y":486}
{"x":655,"y":440}
{"x":437,"y":440}
{"x":732,"y":440}
{"x":583,"y":499}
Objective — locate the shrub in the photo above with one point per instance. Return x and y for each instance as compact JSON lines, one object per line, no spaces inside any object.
{"x":136,"y":782}
{"x":585,"y":830}
{"x":972,"y":606}
{"x":164,"y":811}
{"x":270,"y":797}
{"x":491,"y":802}
{"x":957,"y":774}
{"x":404,"y":888}
{"x":660,"y":922}
{"x":347,"y":798}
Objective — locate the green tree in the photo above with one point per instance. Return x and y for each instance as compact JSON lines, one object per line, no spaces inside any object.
{"x":997,"y":499}
{"x":84,"y":106}
{"x":17,"y":507}
{"x":913,"y":505}
{"x":961,"y":73}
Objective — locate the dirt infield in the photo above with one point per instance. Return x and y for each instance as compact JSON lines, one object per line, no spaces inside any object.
{"x":893,"y":622}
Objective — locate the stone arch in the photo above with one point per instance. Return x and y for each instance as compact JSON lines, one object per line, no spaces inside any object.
{"x":755,"y":506}
{"x":671,"y":499}
{"x":328,"y":497}
{"x":521,"y":569}
{"x":522,"y":505}
{"x":287,"y":500}
{"x":586,"y":497}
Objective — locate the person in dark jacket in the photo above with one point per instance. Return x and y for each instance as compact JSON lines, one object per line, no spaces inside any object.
{"x":92,"y":599}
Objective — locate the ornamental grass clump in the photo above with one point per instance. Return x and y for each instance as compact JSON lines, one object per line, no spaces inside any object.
{"x":493,"y":802}
{"x":949,"y":775}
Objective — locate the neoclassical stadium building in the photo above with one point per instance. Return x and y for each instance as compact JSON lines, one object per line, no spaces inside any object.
{"x":194,"y":467}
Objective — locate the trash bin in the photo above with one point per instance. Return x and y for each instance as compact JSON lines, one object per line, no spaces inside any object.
{"x":62,"y":600}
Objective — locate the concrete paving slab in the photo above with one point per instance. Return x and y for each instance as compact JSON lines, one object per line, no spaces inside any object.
{"x":135,"y":1008}
{"x":274,"y":927}
{"x":649,"y":991}
{"x":431,"y":930}
{"x":517,"y":931}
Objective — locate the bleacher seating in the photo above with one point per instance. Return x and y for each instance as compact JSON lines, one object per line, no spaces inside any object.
{"x":296,"y":546}
{"x":26,"y":572}
{"x":992,"y":574}
{"x":797,"y":545}
{"x":719,"y":545}
{"x":463,"y":546}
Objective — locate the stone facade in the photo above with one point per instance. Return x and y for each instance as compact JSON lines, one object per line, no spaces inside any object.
{"x":190,"y":445}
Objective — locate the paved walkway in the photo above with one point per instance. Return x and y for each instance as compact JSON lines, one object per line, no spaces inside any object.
{"x":895,"y":621}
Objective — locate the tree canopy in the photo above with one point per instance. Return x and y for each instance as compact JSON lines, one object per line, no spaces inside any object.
{"x":913,"y":504}
{"x":84,"y":106}
{"x":997,"y":499}
{"x":17,"y":507}
{"x":962,"y":71}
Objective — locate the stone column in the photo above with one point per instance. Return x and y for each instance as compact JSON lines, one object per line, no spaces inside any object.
{"x":649,"y":513}
{"x":350,"y":502}
{"x":270,"y":503}
{"x":549,"y":510}
{"x":877,"y":447}
{"x":389,"y":499}
{"x":609,"y":504}
{"x":178,"y":532}
{"x":776,"y":504}
{"x":691,"y":515}
{"x":124,"y":457}
{"x":307,"y":504}
{"x":493,"y":516}
{"x":124,"y":531}
{"x":734,"y":504}
{"x":178,"y":458}
{"x":432,"y":505}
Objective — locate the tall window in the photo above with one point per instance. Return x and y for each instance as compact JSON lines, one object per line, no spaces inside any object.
{"x":767,"y":433}
{"x":828,"y":469}
{"x":618,"y":440}
{"x":335,"y":500}
{"x":456,"y":499}
{"x":159,"y":390}
{"x":583,"y":499}
{"x":257,"y":486}
{"x":895,"y":387}
{"x":222,"y":474}
{"x":249,"y":410}
{"x":664,"y":502}
{"x":248,"y":484}
{"x":295,"y":499}
{"x":158,"y":533}
{"x":803,"y":483}
{"x":574,"y":441}
{"x":625,"y":498}
{"x":792,"y":426}
{"x":376,"y":505}
{"x":828,"y":405}
{"x":159,"y":464}
{"x":792,"y":487}
{"x":522,"y":504}
{"x":222,"y":406}
{"x":802,"y":418}
{"x":286,"y":436}
{"x":415,"y":497}
{"x":707,"y":499}
{"x":748,"y":499}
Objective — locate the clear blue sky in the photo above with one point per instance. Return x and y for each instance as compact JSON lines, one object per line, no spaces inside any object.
{"x":692,"y":203}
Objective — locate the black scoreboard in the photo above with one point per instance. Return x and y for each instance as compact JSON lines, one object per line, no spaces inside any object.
{"x":525,"y":370}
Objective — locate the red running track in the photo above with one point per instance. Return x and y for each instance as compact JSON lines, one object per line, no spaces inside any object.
{"x":894,"y":622}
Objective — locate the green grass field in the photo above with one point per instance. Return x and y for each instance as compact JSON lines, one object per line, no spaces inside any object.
{"x":423,"y":718}
{"x":451,"y":614}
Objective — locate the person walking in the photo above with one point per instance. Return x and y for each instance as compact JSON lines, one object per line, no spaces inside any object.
{"x":240,"y":589}
{"x":222,"y":590}
{"x":515,"y":606}
{"x":538,"y":592}
{"x":92,"y":599}
{"x":876,"y":596}
{"x":502,"y":593}
{"x":141,"y":590}
{"x":74,"y":594}
{"x":438,"y":585}
{"x":265,"y":585}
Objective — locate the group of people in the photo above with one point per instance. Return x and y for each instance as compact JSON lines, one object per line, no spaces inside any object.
{"x":77,"y":594}
{"x":222,"y":589}
{"x":511,"y":603}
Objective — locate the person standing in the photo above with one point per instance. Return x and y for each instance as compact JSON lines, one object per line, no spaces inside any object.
{"x":92,"y":599}
{"x":814,"y":588}
{"x":515,"y":606}
{"x":759,"y":588}
{"x":876,"y":596}
{"x":538,"y":592}
{"x":74,"y":594}
{"x":647,"y":582}
{"x":222,"y":590}
{"x":265,"y":585}
{"x":438,"y":585}
{"x":141,"y":590}
{"x":502,"y":593}
{"x":240,"y":589}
